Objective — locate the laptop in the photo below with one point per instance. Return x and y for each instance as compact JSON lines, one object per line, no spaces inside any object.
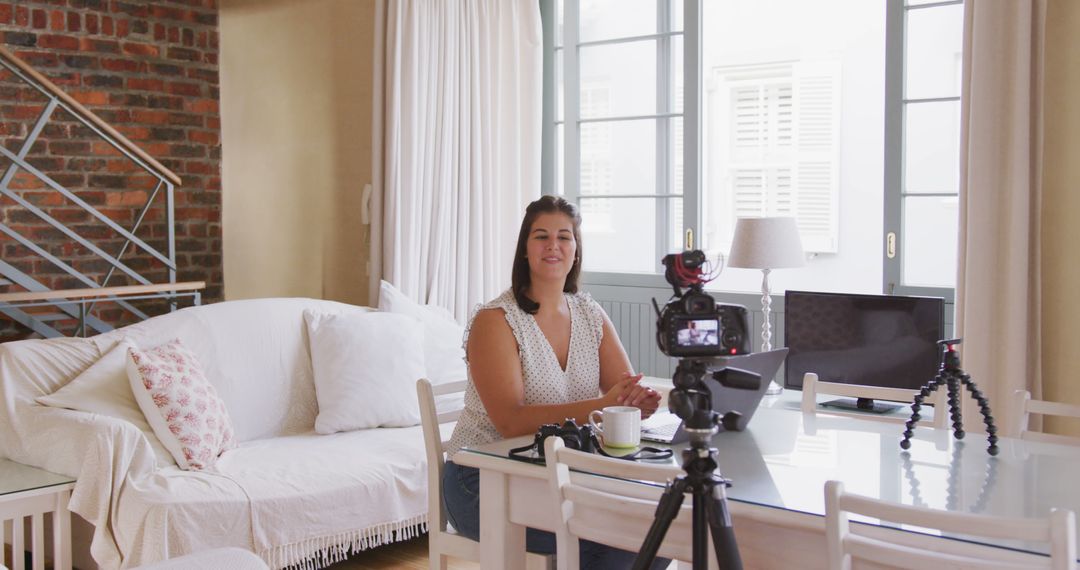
{"x":666,"y":427}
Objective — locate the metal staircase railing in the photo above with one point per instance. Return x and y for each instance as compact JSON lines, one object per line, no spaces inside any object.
{"x":12,"y":276}
{"x":83,"y":299}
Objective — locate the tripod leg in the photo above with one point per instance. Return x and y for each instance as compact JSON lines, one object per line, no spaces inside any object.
{"x":954,"y":405}
{"x":984,"y":408}
{"x":916,"y":406}
{"x":666,"y":511}
{"x":924,"y":393}
{"x":723,"y":533}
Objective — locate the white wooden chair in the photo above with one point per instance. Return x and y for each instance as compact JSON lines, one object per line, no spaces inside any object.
{"x":611,"y":511}
{"x":443,"y":542}
{"x":812,"y":387}
{"x":915,"y":551}
{"x":1020,"y":414}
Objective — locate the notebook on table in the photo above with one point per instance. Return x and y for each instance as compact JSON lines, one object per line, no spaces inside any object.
{"x":666,"y":427}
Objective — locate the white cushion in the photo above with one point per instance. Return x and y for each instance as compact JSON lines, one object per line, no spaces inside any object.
{"x":444,"y":356}
{"x":366,"y":366}
{"x":103,"y":388}
{"x":181,"y":405}
{"x":254,"y":352}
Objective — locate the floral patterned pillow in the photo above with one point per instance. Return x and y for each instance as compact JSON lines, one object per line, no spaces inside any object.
{"x":180,"y":405}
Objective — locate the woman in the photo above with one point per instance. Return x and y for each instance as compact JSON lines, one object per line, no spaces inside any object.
{"x":538,"y":354}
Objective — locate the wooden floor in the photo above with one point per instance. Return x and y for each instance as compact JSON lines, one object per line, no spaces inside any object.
{"x":411,"y":554}
{"x":408,"y":555}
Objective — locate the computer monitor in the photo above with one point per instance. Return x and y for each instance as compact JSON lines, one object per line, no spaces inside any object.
{"x":872,"y":340}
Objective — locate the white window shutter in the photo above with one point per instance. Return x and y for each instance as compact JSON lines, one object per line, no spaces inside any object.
{"x":782,"y":112}
{"x":749,"y":192}
{"x":749,"y":122}
{"x":817,"y":131}
{"x":783,"y":199}
{"x":782,"y":152}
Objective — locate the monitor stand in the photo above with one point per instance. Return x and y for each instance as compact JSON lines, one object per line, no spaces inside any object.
{"x":861,"y":405}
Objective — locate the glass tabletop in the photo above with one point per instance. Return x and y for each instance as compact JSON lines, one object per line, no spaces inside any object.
{"x":16,"y":478}
{"x":784,"y":457}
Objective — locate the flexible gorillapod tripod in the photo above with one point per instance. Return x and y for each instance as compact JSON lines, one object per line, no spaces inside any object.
{"x":955,"y":379}
{"x":691,"y":400}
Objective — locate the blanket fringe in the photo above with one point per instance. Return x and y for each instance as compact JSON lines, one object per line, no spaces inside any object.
{"x":320,"y":552}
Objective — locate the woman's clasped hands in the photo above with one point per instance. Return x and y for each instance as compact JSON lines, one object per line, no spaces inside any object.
{"x":630,"y":392}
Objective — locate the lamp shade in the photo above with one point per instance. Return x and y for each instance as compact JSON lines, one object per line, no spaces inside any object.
{"x":766,"y":243}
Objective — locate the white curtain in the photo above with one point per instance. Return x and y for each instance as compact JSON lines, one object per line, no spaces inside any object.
{"x":998,"y":290}
{"x":460,"y":142}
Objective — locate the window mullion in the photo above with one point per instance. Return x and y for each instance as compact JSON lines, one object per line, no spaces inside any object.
{"x":692,"y":118}
{"x":549,"y":132}
{"x":571,"y":102}
{"x":894,"y":143}
{"x":663,"y":138}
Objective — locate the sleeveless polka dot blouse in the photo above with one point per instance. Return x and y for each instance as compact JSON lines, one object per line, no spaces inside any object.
{"x":545,"y":380}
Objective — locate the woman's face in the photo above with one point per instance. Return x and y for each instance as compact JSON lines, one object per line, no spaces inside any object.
{"x":551,"y":248}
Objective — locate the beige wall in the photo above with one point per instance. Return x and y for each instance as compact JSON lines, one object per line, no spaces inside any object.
{"x":296,"y":86}
{"x":1061,"y":206}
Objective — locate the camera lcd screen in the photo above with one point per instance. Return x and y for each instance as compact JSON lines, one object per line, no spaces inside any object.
{"x":698,"y":332}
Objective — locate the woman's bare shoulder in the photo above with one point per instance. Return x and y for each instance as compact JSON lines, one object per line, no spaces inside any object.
{"x":490,"y":334}
{"x":490,"y":321}
{"x":490,"y":316}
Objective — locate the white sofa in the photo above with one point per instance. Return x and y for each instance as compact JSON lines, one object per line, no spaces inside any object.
{"x":285,"y":493}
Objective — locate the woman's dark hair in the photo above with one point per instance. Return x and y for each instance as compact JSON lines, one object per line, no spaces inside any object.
{"x":521,"y":278}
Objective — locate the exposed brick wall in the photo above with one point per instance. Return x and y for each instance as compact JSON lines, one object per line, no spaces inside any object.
{"x":150,"y":70}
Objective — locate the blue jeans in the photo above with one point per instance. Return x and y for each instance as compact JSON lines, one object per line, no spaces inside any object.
{"x":461,"y":496}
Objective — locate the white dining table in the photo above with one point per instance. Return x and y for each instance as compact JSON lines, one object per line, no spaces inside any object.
{"x":779,"y":466}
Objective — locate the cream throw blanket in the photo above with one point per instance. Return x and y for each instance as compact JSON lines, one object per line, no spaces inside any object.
{"x":293,"y":497}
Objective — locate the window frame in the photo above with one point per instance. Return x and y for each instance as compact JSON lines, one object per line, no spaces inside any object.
{"x":665,"y":159}
{"x":895,"y":103}
{"x":895,"y":107}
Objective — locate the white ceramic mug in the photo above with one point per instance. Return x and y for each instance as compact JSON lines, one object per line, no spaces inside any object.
{"x":621,"y":425}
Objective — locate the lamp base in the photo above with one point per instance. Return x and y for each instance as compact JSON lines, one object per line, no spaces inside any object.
{"x":774,"y":389}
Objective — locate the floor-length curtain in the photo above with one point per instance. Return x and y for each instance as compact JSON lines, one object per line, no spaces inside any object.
{"x":998,"y":291}
{"x":460,"y":143}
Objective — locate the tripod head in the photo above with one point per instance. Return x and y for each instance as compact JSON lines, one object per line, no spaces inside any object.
{"x":950,"y":358}
{"x":691,"y":399}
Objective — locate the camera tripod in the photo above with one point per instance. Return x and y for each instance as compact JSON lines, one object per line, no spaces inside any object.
{"x":691,"y":400}
{"x":955,"y":379}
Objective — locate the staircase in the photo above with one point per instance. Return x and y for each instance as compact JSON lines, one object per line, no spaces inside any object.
{"x":29,"y":300}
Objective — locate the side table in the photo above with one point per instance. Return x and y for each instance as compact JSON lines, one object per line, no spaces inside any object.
{"x":28,"y":492}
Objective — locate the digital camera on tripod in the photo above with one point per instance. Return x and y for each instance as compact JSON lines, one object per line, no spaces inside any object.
{"x":699,"y":332}
{"x":692,"y":323}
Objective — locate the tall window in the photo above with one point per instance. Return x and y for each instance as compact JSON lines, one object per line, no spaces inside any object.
{"x":617,"y":127}
{"x":923,"y":163}
{"x":840,"y":113}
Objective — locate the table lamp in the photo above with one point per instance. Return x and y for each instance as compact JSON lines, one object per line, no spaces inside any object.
{"x":766,"y":244}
